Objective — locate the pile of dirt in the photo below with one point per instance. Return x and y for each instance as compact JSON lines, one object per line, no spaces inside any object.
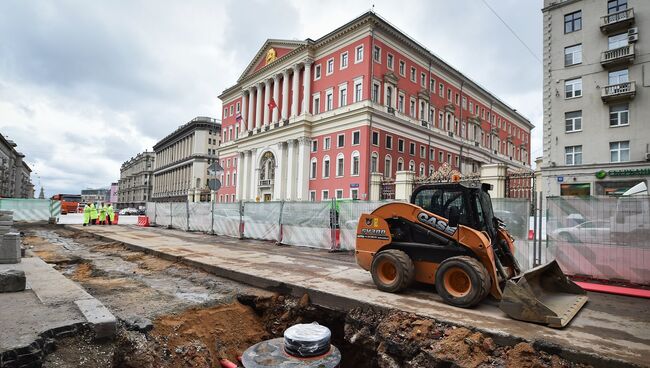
{"x":193,"y":338}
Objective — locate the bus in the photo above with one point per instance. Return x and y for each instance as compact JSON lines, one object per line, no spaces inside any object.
{"x":69,"y":202}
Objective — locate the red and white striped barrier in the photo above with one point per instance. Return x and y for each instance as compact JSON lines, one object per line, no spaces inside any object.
{"x":143,"y":221}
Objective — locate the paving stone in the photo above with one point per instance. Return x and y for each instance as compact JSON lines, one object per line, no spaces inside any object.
{"x":10,"y":248}
{"x":103,"y":322}
{"x":12,"y":281}
{"x":6,"y":222}
{"x":137,"y":323}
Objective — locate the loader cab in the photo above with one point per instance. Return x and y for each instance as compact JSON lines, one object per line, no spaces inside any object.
{"x":467,"y":204}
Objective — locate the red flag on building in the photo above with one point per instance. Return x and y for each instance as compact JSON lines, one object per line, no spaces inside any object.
{"x":272,"y":104}
{"x":238,"y":117}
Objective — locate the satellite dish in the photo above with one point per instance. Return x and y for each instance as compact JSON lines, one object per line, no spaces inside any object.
{"x":215,"y":169}
{"x":214,"y":184}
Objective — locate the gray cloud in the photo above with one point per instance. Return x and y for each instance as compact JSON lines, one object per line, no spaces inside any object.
{"x":86,"y":85}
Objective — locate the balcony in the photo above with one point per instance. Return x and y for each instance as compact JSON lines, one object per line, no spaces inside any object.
{"x":617,"y":92}
{"x":619,"y":56}
{"x":616,"y":21}
{"x":266,"y":183}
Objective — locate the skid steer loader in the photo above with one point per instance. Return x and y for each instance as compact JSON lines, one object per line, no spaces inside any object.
{"x":448,"y":236}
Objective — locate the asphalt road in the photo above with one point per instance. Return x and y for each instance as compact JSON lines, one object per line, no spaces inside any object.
{"x":609,"y":326}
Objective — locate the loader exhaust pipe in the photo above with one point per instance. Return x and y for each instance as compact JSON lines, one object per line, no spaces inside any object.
{"x":543,"y":295}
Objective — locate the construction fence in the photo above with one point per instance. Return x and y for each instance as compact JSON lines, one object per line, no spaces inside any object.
{"x":31,"y":210}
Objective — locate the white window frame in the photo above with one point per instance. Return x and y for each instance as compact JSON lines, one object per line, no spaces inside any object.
{"x":318,"y":72}
{"x":339,"y":157}
{"x":403,"y":145}
{"x":325,"y":174}
{"x":232,"y":108}
{"x":575,"y":52}
{"x":343,"y":89}
{"x":325,"y":195}
{"x":313,"y":168}
{"x":401,"y":102}
{"x":616,"y":147}
{"x":329,"y":99}
{"x":372,"y":138}
{"x":423,"y":151}
{"x":577,"y":120}
{"x":354,"y":193}
{"x":376,"y":59}
{"x":618,"y":115}
{"x":388,"y":146}
{"x":400,"y":164}
{"x":315,"y":103}
{"x":388,"y":166}
{"x":390,"y":61}
{"x":441,"y":89}
{"x":355,"y":156}
{"x":238,"y":107}
{"x":413,"y":149}
{"x":412,"y":165}
{"x":338,"y":140}
{"x":413,"y":74}
{"x":314,"y":145}
{"x":344,"y":65}
{"x":358,"y":132}
{"x":376,"y":97}
{"x":358,"y":83}
{"x":423,"y":80}
{"x":412,"y":108}
{"x":402,"y":68}
{"x":374,"y":161}
{"x":339,"y":194}
{"x":327,"y":143}
{"x":358,"y":59}
{"x":573,"y":152}
{"x":574,"y":86}
{"x":327,"y":68}
{"x":312,"y":196}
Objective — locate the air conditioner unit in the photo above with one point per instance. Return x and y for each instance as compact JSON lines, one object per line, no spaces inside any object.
{"x":633,"y":38}
{"x":633,"y":30}
{"x":647,"y":156}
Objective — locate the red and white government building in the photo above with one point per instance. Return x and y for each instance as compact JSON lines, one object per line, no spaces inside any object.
{"x":311,"y":120}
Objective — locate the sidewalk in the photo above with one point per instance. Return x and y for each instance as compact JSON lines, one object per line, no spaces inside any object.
{"x":613,"y":327}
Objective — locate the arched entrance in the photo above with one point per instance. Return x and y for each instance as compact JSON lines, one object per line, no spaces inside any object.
{"x":267,"y":176}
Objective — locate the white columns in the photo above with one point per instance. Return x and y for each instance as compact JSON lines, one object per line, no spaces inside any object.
{"x":258,"y":107}
{"x":243,"y":175}
{"x":291,"y":170}
{"x":276,"y":98}
{"x":294,"y":92}
{"x":242,"y":123}
{"x":253,"y":179}
{"x":302,"y":187}
{"x":285,"y":95}
{"x":306,"y":80}
{"x":239,"y":188}
{"x":251,"y":119}
{"x":278,"y":185}
{"x":267,"y":99}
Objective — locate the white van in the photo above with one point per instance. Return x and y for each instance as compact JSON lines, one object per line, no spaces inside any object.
{"x":631,"y":221}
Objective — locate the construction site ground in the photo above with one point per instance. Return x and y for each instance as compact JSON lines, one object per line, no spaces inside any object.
{"x":189,"y":299}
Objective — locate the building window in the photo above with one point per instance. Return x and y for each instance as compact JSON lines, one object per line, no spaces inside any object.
{"x":619,"y":115}
{"x":573,"y":88}
{"x":343,"y":96}
{"x":376,"y":54}
{"x":375,"y":92}
{"x":432,"y":154}
{"x":421,"y":172}
{"x":389,"y":142}
{"x":402,"y":68}
{"x":449,"y":94}
{"x":313,"y":168}
{"x":339,"y":165}
{"x":330,"y":66}
{"x":375,"y":138}
{"x":573,"y":22}
{"x":412,"y":149}
{"x":457,"y":99}
{"x":356,"y":138}
{"x":619,"y":151}
{"x":389,"y":96}
{"x":618,"y":77}
{"x":573,"y":155}
{"x":358,"y":91}
{"x":400,"y":103}
{"x":339,"y":193}
{"x":423,"y":80}
{"x":412,"y":108}
{"x":358,"y":54}
{"x":615,"y":6}
{"x":340,"y":140}
{"x":400,"y":145}
{"x":317,"y":70}
{"x":573,"y":121}
{"x":440,"y":157}
{"x":238,"y":107}
{"x":326,"y":167}
{"x":441,"y":89}
{"x":354,"y":193}
{"x":327,"y":143}
{"x":314,"y":145}
{"x":449,"y":158}
{"x":225,"y":112}
{"x":387,"y":166}
{"x":413,"y":71}
{"x":344,"y":60}
{"x":316,"y":104}
{"x":389,"y":61}
{"x":423,"y":152}
{"x":231,"y":110}
{"x":432,"y":85}
{"x":326,"y":195}
{"x":617,"y":41}
{"x":312,"y":196}
{"x":400,"y":164}
{"x":329,"y":100}
{"x":412,"y":165}
{"x":374,"y":162}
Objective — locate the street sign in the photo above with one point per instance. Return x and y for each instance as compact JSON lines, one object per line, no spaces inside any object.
{"x":560,"y":179}
{"x":214,"y":184}
{"x":215,"y":169}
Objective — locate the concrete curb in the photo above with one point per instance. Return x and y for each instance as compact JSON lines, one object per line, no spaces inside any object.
{"x":32,"y":355}
{"x":344,"y":304}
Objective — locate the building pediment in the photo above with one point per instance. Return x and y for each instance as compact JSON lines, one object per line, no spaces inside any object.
{"x":272,"y":51}
{"x":390,"y":77}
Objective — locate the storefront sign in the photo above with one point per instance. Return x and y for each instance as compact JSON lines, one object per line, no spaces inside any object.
{"x":354,"y":185}
{"x":628,"y":172}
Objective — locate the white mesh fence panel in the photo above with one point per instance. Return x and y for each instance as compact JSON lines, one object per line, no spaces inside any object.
{"x":179,"y":215}
{"x":307,"y":224}
{"x":150,"y":211}
{"x":515,"y":213}
{"x":262,"y":220}
{"x":226,"y":219}
{"x":31,"y":210}
{"x":349,"y":213}
{"x":200,"y":216}
{"x":163,"y":214}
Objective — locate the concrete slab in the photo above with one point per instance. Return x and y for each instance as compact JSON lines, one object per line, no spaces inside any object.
{"x":610,"y":331}
{"x":102,"y":320}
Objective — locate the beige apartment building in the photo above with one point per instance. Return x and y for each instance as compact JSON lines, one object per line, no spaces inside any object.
{"x":136,"y":181}
{"x":596,"y":101}
{"x":15,"y":181}
{"x":182,"y":159}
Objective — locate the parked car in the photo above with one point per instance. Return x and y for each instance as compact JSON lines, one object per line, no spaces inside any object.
{"x":595,"y":232}
{"x":128,"y":212}
{"x":516,"y":224}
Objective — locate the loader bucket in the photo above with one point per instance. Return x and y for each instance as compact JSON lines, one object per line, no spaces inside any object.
{"x":544,"y":295}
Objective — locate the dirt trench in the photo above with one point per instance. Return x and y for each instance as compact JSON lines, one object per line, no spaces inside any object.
{"x":172,"y":315}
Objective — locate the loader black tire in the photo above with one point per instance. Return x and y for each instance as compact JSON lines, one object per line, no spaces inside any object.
{"x":392,"y":270}
{"x":462,"y":281}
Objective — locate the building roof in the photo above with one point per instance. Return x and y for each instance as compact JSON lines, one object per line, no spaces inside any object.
{"x":197,"y":122}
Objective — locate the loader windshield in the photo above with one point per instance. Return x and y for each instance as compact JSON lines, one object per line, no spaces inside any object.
{"x":485,"y":215}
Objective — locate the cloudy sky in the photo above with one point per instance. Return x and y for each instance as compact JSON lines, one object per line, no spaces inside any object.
{"x":85,"y":85}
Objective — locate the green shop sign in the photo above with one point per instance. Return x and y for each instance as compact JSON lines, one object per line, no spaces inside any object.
{"x":629,"y":172}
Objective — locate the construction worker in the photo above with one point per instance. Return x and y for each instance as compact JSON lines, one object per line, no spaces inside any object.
{"x":110,"y":213}
{"x":102,"y":213}
{"x":86,"y":214}
{"x":93,"y":214}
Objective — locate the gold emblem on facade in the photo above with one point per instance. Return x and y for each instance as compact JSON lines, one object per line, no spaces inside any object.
{"x":270,"y":56}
